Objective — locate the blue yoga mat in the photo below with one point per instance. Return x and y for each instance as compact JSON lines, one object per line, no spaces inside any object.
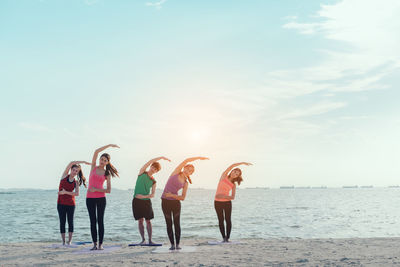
{"x":82,"y":243}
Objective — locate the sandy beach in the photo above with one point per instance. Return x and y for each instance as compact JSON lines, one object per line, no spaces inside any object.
{"x":249,"y":252}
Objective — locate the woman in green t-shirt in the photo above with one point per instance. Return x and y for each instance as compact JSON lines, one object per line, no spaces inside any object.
{"x":141,"y":203}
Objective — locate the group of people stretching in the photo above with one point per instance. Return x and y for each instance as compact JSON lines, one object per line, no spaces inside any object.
{"x":144,"y":190}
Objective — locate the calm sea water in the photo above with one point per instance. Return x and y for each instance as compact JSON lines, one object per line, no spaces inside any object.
{"x":31,"y":215}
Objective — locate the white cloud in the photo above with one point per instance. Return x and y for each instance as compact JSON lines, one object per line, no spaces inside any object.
{"x":157,"y":5}
{"x":370,"y":32}
{"x":317,"y":109}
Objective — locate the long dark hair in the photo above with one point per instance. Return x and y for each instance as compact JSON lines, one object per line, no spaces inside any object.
{"x":110,"y":169}
{"x":81,"y":178}
{"x":238,"y":179}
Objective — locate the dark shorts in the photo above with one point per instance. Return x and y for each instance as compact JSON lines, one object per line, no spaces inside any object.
{"x":142,"y":209}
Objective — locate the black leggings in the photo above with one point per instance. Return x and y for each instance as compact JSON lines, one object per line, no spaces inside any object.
{"x":92,"y":205}
{"x":222,"y":207}
{"x":172,"y":209}
{"x":64,"y":212}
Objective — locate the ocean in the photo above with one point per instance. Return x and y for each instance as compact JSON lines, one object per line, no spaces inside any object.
{"x":31,"y":215}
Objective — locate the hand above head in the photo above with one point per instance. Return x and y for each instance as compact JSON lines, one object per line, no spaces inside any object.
{"x":114,"y":145}
{"x":247,"y":163}
{"x":203,"y":158}
{"x":164,"y":158}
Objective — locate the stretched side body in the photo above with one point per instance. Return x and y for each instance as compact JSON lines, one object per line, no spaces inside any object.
{"x":223,"y":198}
{"x":234,"y":179}
{"x":141,"y":203}
{"x":184,"y":170}
{"x":67,"y":191}
{"x":170,"y":200}
{"x":96,"y":194}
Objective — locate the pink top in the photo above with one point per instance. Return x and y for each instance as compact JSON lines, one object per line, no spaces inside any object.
{"x":224,"y":187}
{"x":97,"y":181}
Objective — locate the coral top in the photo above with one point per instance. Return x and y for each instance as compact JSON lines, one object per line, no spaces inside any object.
{"x":97,"y":181}
{"x":224,"y":188}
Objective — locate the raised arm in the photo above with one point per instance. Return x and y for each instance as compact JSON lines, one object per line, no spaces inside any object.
{"x":225,"y":173}
{"x":186,"y":161}
{"x":145,"y":166}
{"x":97,"y":151}
{"x":70,"y":165}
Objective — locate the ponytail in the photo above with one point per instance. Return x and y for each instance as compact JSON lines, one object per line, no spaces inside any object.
{"x":110,"y":169}
{"x":189,"y":180}
{"x":81,"y":177}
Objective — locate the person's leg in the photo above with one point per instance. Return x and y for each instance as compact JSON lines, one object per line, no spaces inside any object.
{"x":141,"y":229}
{"x":220,"y":214}
{"x":62,"y":213}
{"x":177,"y":222}
{"x":168,"y":220}
{"x":70,"y":217}
{"x":91,"y":206}
{"x":101,"y":206}
{"x":228,"y":213}
{"x":149,"y":230}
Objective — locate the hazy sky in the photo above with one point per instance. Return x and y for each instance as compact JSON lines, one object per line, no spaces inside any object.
{"x":308,"y":91}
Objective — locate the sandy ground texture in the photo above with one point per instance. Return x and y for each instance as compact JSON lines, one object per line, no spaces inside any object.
{"x":249,"y":252}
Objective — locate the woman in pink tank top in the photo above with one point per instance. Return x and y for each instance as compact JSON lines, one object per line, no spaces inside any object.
{"x":96,"y":194}
{"x":171,"y":200}
{"x":223,"y":198}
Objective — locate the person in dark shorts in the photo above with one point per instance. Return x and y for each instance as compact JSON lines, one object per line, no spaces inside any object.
{"x":141,"y":203}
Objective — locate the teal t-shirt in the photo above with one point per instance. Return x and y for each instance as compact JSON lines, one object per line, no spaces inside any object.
{"x":143,"y":185}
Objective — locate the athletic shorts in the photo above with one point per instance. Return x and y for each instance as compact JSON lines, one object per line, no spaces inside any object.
{"x":142,"y":208}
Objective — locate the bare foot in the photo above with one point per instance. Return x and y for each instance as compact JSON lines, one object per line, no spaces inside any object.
{"x":172,"y":247}
{"x":69,"y":243}
{"x":94,"y":247}
{"x":143,"y":242}
{"x":100,"y":247}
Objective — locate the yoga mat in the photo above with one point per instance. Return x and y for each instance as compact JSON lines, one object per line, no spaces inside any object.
{"x":61,"y":246}
{"x":82,"y":242}
{"x":215,"y":242}
{"x":165,"y":249}
{"x":145,"y":245}
{"x":107,"y":249}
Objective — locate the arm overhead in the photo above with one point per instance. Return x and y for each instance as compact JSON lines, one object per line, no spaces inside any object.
{"x":186,"y":161}
{"x":225,"y":173}
{"x":145,"y":166}
{"x":97,"y":151}
{"x":69,"y":166}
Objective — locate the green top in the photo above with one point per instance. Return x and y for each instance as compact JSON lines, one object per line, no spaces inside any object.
{"x":143,"y":185}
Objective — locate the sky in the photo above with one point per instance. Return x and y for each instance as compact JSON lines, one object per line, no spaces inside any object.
{"x":307,"y":91}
